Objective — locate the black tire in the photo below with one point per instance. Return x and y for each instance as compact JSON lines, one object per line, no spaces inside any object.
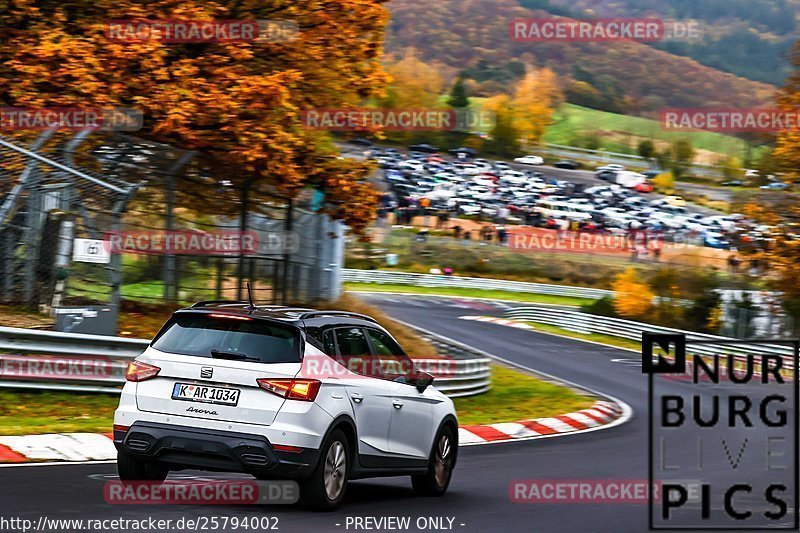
{"x":440,"y":465}
{"x":326,"y":487}
{"x":132,"y":468}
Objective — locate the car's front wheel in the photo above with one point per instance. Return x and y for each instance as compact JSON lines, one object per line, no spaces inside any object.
{"x":440,"y":467}
{"x":132,"y":468}
{"x":325,"y":489}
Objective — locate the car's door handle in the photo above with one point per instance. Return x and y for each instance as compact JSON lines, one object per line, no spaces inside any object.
{"x":358,"y":398}
{"x":397,"y":404}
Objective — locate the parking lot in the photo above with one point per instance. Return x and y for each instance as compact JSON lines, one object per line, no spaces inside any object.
{"x":610,"y":200}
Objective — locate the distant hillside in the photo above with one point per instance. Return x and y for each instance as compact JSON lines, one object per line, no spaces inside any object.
{"x":629,"y":78}
{"x":750,"y":38}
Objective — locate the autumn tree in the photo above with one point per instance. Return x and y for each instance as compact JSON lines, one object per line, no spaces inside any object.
{"x":787,"y":150}
{"x":535,"y":99}
{"x":503,"y":134}
{"x":412,"y":84}
{"x":633,"y":297}
{"x":239,"y":103}
{"x":782,"y":256}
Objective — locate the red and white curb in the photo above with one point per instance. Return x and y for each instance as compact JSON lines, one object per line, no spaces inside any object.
{"x":72,"y":447}
{"x":83,"y":447}
{"x":498,"y":320}
{"x":600,"y":414}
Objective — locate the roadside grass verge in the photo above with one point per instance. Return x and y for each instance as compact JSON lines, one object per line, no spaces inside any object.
{"x":518,"y":396}
{"x":470,"y":293}
{"x":33,"y":412}
{"x":514,"y":396}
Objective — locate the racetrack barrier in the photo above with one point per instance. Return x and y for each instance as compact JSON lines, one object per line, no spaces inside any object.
{"x":585,"y":323}
{"x":48,"y":360}
{"x":386,"y":277}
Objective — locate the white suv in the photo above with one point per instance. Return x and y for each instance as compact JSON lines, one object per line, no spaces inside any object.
{"x":321,"y":397}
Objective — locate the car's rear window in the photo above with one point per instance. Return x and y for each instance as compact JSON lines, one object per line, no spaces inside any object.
{"x":230,"y":338}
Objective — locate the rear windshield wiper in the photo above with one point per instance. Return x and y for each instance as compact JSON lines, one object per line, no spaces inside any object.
{"x":236,"y":356}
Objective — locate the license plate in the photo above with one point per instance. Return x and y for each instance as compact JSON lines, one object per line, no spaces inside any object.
{"x":205,"y":394}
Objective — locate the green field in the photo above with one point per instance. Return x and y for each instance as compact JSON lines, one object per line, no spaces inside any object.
{"x":622,"y":133}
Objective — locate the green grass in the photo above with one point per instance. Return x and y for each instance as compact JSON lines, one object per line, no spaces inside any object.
{"x":517,"y":396}
{"x":573,"y":122}
{"x":30,"y":413}
{"x":146,"y":291}
{"x":514,"y":396}
{"x":469,"y":293}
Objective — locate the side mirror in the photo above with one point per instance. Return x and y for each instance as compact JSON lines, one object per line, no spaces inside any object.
{"x":423,"y":380}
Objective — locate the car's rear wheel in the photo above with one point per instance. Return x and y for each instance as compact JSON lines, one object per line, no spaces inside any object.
{"x":132,"y":468}
{"x":440,"y":467}
{"x":325,"y":489}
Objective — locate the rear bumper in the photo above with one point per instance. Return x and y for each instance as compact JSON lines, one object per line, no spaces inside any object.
{"x":208,"y":449}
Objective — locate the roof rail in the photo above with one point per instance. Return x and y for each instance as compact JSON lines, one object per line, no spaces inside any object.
{"x":313,"y":314}
{"x":206,"y":303}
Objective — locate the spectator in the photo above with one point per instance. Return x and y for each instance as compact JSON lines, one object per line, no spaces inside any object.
{"x":457,"y":231}
{"x":502,"y":235}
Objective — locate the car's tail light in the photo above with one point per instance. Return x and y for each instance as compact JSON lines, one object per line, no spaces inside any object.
{"x":138,"y":371}
{"x":292,"y":389}
{"x":123,"y":429}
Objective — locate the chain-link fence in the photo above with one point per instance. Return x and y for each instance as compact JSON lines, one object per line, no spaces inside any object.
{"x":89,"y":219}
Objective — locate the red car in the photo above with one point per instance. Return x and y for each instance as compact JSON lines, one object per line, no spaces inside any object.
{"x":644,"y":187}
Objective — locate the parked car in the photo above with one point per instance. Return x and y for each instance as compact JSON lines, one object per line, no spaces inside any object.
{"x":424,"y":148}
{"x":567,"y":164}
{"x":776,"y":186}
{"x":677,"y":201}
{"x":653,"y":172}
{"x":321,"y":397}
{"x":530,"y":160}
{"x":610,"y":168}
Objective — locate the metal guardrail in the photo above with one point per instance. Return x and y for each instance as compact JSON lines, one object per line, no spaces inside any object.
{"x":98,"y":363}
{"x":386,"y":277}
{"x":586,"y":323}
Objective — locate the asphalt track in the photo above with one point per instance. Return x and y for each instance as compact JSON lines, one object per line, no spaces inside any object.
{"x":478,"y":499}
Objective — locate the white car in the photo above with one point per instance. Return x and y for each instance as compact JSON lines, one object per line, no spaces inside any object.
{"x":617,"y":215}
{"x":413,"y":164}
{"x":529,"y":160}
{"x":610,"y":168}
{"x":469,"y":170}
{"x":469,"y":208}
{"x":321,"y":397}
